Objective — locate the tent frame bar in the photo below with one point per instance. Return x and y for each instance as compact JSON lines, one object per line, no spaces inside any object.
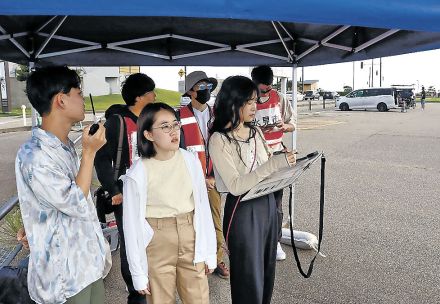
{"x":78,"y":50}
{"x":225,"y":49}
{"x":131,"y":41}
{"x":132,"y":51}
{"x":261,"y":54}
{"x":221,"y":47}
{"x":375,"y":40}
{"x":289,"y":52}
{"x":325,"y":40}
{"x":45,"y":24}
{"x":266,"y":42}
{"x":50,"y":37}
{"x":68,"y":39}
{"x":9,"y":36}
{"x":15,"y":42}
{"x":285,"y":30}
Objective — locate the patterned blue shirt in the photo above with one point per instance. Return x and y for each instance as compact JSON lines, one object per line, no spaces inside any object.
{"x":67,"y":248}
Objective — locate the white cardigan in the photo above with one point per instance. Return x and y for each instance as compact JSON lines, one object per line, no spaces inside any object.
{"x":138,"y":233}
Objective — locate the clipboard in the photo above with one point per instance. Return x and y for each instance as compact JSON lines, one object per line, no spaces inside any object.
{"x":283,"y":178}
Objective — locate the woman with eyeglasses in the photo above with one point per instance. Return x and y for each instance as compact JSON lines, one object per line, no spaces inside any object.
{"x":241,"y":160}
{"x":165,"y":194}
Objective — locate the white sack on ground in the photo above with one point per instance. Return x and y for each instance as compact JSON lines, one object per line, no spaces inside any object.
{"x":303,"y":240}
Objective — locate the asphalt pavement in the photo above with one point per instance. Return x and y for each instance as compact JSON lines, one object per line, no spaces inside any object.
{"x":381,"y":229}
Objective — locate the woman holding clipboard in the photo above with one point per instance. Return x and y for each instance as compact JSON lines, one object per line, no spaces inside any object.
{"x":241,"y":160}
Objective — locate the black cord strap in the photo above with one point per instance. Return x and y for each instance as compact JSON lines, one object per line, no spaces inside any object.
{"x":321,"y":223}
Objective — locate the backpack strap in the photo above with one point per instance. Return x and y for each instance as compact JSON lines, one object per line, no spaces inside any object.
{"x":119,"y":148}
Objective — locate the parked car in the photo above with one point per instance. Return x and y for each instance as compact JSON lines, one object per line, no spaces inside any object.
{"x":299,"y":96}
{"x":381,"y":99}
{"x":330,"y":95}
{"x":312,"y":95}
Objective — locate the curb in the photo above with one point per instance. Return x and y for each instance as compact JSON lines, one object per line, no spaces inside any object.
{"x":28,"y":128}
{"x":15,"y":129}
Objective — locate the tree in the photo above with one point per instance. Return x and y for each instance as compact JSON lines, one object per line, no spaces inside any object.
{"x":22,"y":72}
{"x":347,"y":89}
{"x":431,"y":91}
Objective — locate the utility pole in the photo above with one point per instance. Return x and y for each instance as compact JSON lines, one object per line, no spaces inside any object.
{"x":5,"y":97}
{"x":380,"y":71}
{"x":353,"y":77}
{"x":372,"y":72}
{"x":302,"y":82}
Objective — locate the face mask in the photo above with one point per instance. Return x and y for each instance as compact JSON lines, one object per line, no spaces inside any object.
{"x":203,"y":96}
{"x":265,"y":92}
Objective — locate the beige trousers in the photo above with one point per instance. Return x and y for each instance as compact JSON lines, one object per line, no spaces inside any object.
{"x":216,"y":210}
{"x":170,"y":257}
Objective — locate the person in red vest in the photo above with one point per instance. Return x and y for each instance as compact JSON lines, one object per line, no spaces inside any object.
{"x":275,"y":116}
{"x":195,"y":119}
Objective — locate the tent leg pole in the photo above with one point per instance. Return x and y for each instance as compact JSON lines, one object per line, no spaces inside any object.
{"x":34,"y":113}
{"x":294,"y":133}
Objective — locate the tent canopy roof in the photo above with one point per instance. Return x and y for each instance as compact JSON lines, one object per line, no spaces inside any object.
{"x":222,"y":33}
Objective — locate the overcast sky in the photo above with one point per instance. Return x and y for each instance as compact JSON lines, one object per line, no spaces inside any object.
{"x":421,"y":68}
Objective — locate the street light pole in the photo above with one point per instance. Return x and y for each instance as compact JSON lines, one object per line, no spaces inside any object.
{"x":353,"y":77}
{"x":380,"y":71}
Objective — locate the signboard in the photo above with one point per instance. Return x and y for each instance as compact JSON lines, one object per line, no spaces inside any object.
{"x":129,"y":69}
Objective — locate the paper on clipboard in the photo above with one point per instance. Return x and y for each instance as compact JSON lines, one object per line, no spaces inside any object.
{"x":282,"y":178}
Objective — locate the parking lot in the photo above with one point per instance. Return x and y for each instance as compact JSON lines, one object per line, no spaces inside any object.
{"x":381,"y":230}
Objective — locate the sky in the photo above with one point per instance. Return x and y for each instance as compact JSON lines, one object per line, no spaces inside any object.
{"x":421,"y":68}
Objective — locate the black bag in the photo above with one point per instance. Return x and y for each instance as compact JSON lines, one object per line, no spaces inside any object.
{"x":103,"y":198}
{"x":13,"y":286}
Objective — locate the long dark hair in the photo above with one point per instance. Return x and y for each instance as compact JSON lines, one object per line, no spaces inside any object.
{"x":234,"y":93}
{"x":145,"y":123}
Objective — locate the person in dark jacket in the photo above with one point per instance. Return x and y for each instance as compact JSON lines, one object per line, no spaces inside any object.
{"x":137,"y":92}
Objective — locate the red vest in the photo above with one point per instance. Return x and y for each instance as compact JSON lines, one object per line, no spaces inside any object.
{"x":269,"y":113}
{"x":131,"y":130}
{"x":194,"y":139}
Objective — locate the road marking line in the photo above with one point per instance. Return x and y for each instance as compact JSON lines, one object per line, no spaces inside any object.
{"x":322,"y":125}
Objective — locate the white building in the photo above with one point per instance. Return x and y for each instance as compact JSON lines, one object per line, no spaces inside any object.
{"x":100,"y":80}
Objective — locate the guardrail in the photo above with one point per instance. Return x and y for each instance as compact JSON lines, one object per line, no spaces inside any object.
{"x":8,"y":206}
{"x":6,"y":254}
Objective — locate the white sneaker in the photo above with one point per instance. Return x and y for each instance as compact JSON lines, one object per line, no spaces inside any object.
{"x":281,"y":255}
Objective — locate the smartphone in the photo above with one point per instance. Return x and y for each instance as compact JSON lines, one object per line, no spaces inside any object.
{"x":95,"y":126}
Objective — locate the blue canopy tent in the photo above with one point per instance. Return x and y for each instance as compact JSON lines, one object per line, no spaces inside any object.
{"x":216,"y":33}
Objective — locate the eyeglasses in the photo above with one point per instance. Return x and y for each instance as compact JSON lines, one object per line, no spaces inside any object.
{"x":203,"y":86}
{"x":167,"y":128}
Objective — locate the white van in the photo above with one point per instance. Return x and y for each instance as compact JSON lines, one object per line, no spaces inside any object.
{"x":381,"y":99}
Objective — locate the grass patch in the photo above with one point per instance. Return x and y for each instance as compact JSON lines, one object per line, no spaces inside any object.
{"x":16,"y":112}
{"x":432,"y":99}
{"x":102,"y":103}
{"x":10,"y":226}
